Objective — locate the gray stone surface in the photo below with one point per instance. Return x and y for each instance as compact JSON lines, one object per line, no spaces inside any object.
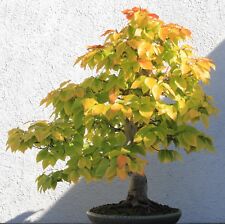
{"x":38,"y":44}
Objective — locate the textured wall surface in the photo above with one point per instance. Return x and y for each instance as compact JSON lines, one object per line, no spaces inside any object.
{"x":38,"y":44}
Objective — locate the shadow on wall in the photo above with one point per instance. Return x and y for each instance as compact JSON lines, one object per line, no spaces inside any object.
{"x":196,"y":186}
{"x":71,"y":208}
{"x":22,"y":217}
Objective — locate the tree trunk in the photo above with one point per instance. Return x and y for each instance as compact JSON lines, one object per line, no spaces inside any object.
{"x":138,"y":187}
{"x":138,"y":194}
{"x":138,"y":190}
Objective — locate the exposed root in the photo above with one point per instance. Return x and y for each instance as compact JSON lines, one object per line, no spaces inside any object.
{"x":147,"y":204}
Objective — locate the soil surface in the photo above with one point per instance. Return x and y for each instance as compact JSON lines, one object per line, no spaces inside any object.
{"x":129,"y":210}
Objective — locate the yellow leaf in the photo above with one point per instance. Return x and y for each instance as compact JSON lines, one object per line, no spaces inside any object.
{"x":138,"y":32}
{"x":145,"y":49}
{"x":168,"y":87}
{"x":206,"y":63}
{"x":191,"y":114}
{"x":185,"y":68}
{"x":57,"y":136}
{"x":116,"y":107}
{"x":146,"y":114}
{"x":89,"y":103}
{"x":167,"y":109}
{"x":99,"y":109}
{"x":150,"y":82}
{"x":136,"y":84}
{"x":157,"y":91}
{"x":180,"y":83}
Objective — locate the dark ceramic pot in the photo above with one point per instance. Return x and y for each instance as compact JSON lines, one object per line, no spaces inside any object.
{"x":170,"y":218}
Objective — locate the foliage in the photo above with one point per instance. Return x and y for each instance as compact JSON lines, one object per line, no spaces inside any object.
{"x":146,"y":98}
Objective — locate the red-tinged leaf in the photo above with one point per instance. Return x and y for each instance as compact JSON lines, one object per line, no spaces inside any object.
{"x":154,"y":16}
{"x":121,"y":161}
{"x":126,"y":11}
{"x":136,"y":9}
{"x":107,"y":32}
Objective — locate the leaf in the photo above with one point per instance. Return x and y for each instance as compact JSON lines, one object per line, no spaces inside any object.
{"x":113,"y":94}
{"x":145,"y":64}
{"x":58,"y":136}
{"x":68,"y":107}
{"x":116,"y":107}
{"x":137,"y":149}
{"x":110,"y":172}
{"x":64,"y":83}
{"x":166,"y":156}
{"x":157,"y":91}
{"x":82,"y":163}
{"x":150,"y":82}
{"x":94,"y":47}
{"x":138,"y":82}
{"x":41,"y":155}
{"x":41,"y":134}
{"x":121,"y":173}
{"x":121,"y":161}
{"x":102,"y":167}
{"x":190,"y":138}
{"x":146,"y":110}
{"x":107,"y":32}
{"x":181,"y":83}
{"x":99,"y":109}
{"x":74,"y":176}
{"x":145,"y":49}
{"x":86,"y":174}
{"x":150,"y":139}
{"x":88,"y":103}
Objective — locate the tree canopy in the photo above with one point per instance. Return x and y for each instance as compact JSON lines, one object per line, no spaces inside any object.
{"x":146,"y":97}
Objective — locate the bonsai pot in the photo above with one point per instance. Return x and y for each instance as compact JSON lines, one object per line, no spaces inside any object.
{"x":169,"y":218}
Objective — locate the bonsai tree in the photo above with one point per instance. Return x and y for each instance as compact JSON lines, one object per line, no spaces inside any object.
{"x":146,"y":97}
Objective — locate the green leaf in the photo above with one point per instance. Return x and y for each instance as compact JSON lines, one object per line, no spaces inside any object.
{"x":167,"y":156}
{"x":42,"y":155}
{"x":101,"y":168}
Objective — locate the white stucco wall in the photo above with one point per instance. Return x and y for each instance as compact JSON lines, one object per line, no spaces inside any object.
{"x":39,"y":40}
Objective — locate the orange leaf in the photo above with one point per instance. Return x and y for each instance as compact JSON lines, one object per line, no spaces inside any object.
{"x":145,"y":64}
{"x":133,"y":43}
{"x":121,"y":161}
{"x":122,"y":173}
{"x":95,"y":47}
{"x":112,"y":96}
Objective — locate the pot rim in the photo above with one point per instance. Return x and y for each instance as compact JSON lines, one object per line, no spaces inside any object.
{"x":172,"y":214}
